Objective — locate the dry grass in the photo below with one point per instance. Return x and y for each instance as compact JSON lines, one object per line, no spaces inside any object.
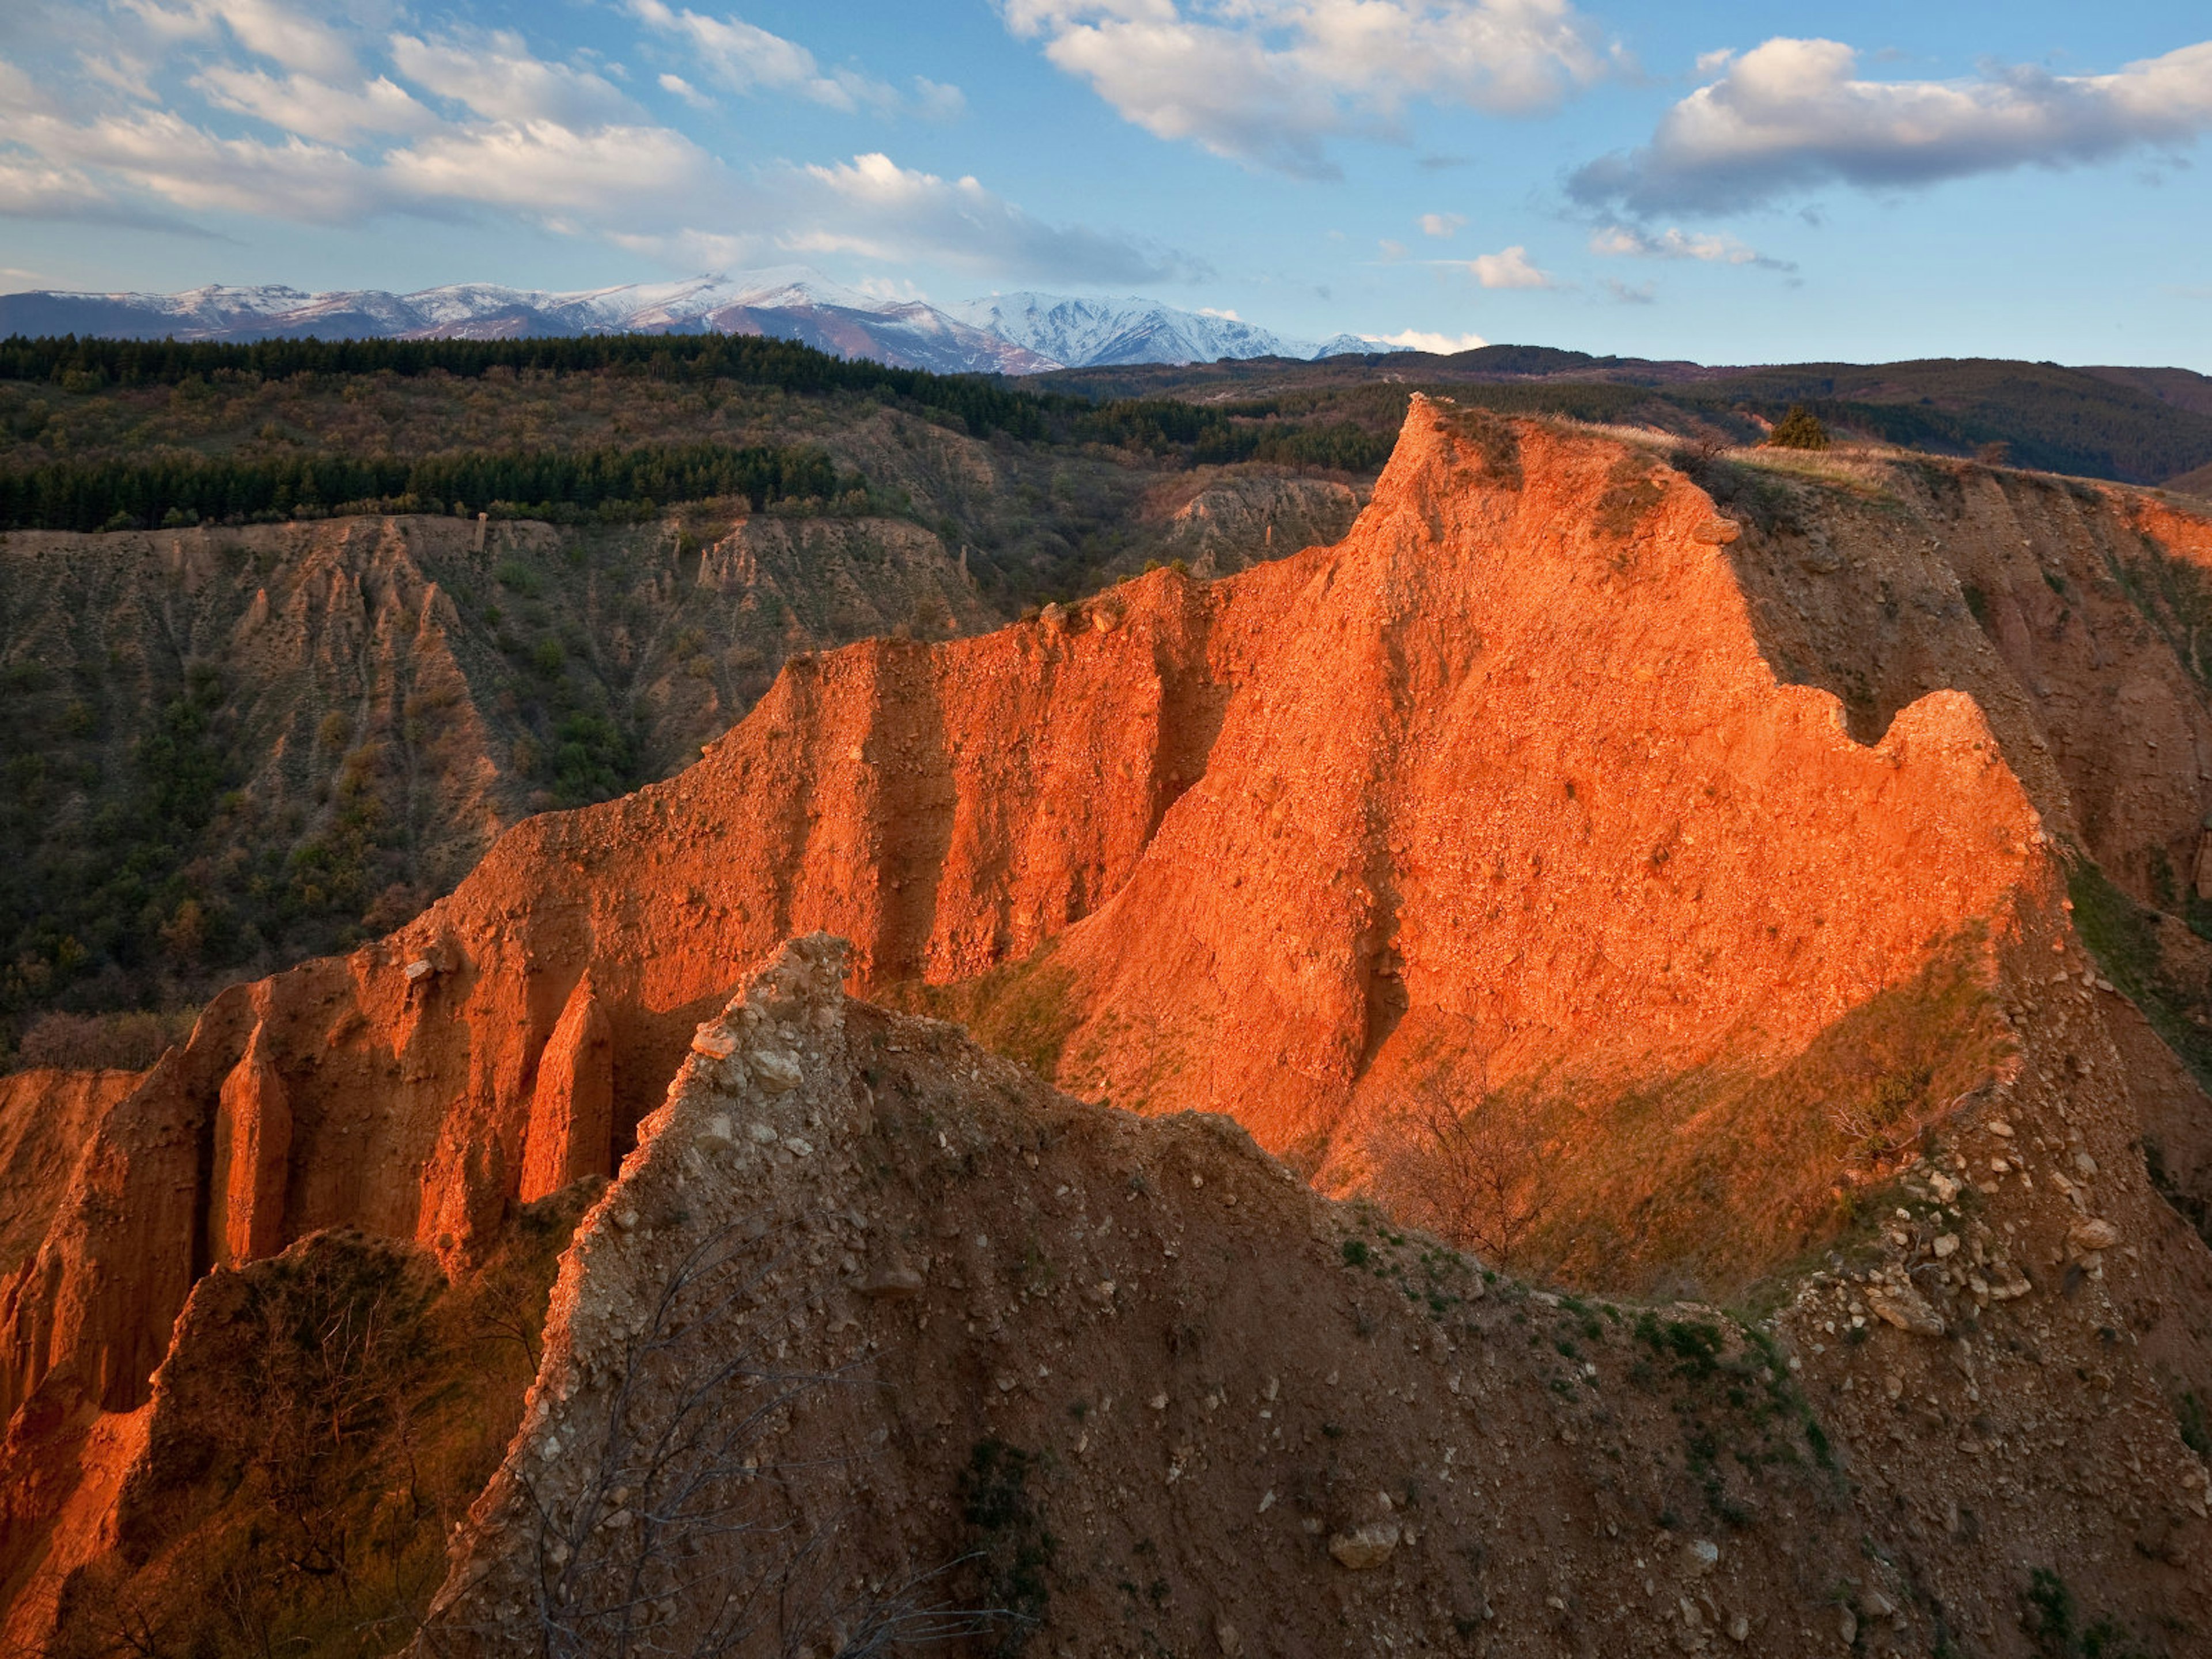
{"x":1707,"y":1181}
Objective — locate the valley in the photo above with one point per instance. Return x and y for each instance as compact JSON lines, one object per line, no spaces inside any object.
{"x":239,"y":744}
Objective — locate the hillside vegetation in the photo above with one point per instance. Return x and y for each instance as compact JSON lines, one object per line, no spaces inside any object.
{"x":294,"y":690}
{"x":2133,"y":426}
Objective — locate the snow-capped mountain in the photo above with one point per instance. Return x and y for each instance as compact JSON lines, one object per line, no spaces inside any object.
{"x":789,"y":303}
{"x":1091,"y":333}
{"x":1005,"y":334}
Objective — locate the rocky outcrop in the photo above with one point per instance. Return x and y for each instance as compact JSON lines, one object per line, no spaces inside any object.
{"x":1518,"y":793}
{"x":252,"y":1158}
{"x":570,"y":1133}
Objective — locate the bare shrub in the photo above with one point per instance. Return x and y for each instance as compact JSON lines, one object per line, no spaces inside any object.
{"x":337,"y":1334}
{"x":1467,"y":1163}
{"x":95,"y":1042}
{"x":1878,"y":1121}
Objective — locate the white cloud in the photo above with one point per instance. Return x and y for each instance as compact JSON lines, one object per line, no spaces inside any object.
{"x":1444,"y":345}
{"x":165,"y":156}
{"x":288,"y":34}
{"x":1512,"y":268}
{"x":1620,"y":242}
{"x":622,"y":175}
{"x":498,"y":76}
{"x":743,"y":57}
{"x":1442,"y":224}
{"x":1267,"y":81}
{"x":291,"y":34}
{"x":1792,"y":114}
{"x":37,"y":190}
{"x":684,"y":89}
{"x":1391,"y":251}
{"x":1226,"y":315}
{"x":1630,"y":294}
{"x":934,"y":100}
{"x":315,"y":109}
{"x":872,"y":207}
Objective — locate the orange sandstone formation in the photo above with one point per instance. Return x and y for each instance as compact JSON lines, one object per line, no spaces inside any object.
{"x":571,"y":1129}
{"x":1505,"y":780}
{"x":1676,"y":826}
{"x":252,"y":1158}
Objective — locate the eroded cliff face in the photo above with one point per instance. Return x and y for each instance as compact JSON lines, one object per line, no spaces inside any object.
{"x":45,"y":1119}
{"x":230,"y":748}
{"x":1531,"y":795}
{"x":1511,"y":792}
{"x":1503,"y":790}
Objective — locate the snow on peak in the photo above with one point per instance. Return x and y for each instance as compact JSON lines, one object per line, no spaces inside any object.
{"x":1093,"y":333}
{"x":1017,"y":333}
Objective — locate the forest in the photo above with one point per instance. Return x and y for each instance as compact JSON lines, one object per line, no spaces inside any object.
{"x":120,"y":435}
{"x":612,"y":485}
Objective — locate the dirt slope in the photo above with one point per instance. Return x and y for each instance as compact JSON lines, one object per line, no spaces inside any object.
{"x":875,"y":1332}
{"x":1248,"y":1419}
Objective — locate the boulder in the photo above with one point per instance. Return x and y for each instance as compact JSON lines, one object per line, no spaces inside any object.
{"x":895,"y":1282}
{"x":1905,"y":1308}
{"x":1365,"y":1547}
{"x":2093,"y":1234}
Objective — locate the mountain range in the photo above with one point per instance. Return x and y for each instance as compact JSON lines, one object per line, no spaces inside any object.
{"x":1007,"y":334}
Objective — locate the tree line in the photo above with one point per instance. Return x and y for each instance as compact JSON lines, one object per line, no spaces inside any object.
{"x":1218,"y":434}
{"x":613,"y":481}
{"x":981,"y":405}
{"x":90,"y":363}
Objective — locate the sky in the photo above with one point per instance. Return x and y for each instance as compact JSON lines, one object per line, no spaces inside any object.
{"x":1728,"y":182}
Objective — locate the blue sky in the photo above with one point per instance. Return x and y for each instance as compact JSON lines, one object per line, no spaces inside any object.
{"x":1723,"y":182}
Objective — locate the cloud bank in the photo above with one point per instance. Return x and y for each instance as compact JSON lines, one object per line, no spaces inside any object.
{"x":1265,"y":83}
{"x":1792,"y":115}
{"x":344,"y":122}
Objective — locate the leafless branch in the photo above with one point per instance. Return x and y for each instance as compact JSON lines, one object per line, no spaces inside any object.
{"x":1466,"y":1164}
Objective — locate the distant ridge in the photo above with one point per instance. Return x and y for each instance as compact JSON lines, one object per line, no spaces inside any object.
{"x":1005,"y":334}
